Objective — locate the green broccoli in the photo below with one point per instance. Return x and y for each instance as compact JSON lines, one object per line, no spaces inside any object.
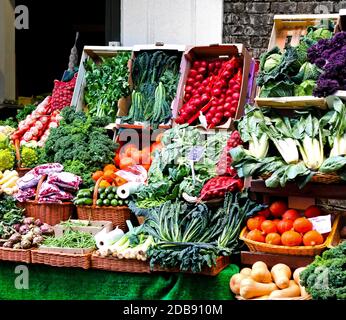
{"x":325,"y":278}
{"x":7,"y":159}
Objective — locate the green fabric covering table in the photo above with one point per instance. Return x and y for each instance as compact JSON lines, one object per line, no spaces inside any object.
{"x":50,"y":283}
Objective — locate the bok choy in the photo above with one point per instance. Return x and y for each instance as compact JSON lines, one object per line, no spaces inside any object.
{"x":280,"y":132}
{"x":311,"y":141}
{"x":251,"y":132}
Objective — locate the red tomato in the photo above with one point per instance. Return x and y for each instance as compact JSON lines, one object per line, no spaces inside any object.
{"x":278,"y":208}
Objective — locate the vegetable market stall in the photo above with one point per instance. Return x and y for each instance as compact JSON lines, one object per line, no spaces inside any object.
{"x":49,"y":283}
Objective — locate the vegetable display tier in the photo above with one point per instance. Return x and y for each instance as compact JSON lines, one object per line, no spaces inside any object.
{"x":117,"y":215}
{"x":119,"y":265}
{"x":256,"y":246}
{"x":287,"y":76}
{"x":51,"y":213}
{"x":17,"y":255}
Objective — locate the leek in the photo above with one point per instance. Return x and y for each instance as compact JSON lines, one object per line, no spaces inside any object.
{"x":250,"y":131}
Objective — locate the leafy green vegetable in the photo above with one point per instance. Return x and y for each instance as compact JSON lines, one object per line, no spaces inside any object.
{"x":9,"y":122}
{"x":80,"y":144}
{"x":251,"y":132}
{"x":192,"y":236}
{"x":10,"y":214}
{"x":170,"y":173}
{"x":277,"y":89}
{"x":155,"y":77}
{"x":325,"y":278}
{"x":333,"y":164}
{"x":305,"y":88}
{"x":307,"y":71}
{"x":24,"y":112}
{"x":106,"y":83}
{"x":288,"y":66}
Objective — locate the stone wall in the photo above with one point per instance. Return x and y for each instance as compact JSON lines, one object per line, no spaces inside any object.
{"x":250,"y":22}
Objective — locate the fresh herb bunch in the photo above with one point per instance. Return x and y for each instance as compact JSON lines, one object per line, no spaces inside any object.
{"x":193,"y":236}
{"x":106,"y":83}
{"x":155,"y":78}
{"x":72,"y":239}
{"x":80,"y":144}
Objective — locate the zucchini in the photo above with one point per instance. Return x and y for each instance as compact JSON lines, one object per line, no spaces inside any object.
{"x":84,"y":194}
{"x":83,"y":201}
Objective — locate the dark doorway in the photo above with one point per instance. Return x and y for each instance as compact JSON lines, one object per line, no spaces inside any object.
{"x":42,"y":52}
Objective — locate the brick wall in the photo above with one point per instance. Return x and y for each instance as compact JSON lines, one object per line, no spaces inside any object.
{"x":250,"y":22}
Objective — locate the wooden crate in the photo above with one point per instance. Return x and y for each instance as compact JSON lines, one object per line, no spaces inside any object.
{"x":95,"y":53}
{"x":288,"y":29}
{"x":211,"y":52}
{"x":93,"y":228}
{"x":168,"y":48}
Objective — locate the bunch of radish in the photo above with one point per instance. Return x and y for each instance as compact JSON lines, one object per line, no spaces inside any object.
{"x":224,"y":166}
{"x":212,"y":88}
{"x":53,"y":123}
{"x":62,"y":94}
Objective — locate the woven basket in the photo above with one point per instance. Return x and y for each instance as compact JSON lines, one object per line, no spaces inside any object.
{"x":58,"y":259}
{"x":255,"y":246}
{"x":51,"y":213}
{"x":21,"y":171}
{"x":119,"y":265}
{"x":18,"y":255}
{"x":117,"y":215}
{"x":316,"y":178}
{"x":221,"y":263}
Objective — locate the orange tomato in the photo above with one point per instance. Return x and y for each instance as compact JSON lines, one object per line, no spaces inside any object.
{"x":156,"y":146}
{"x":146,"y":166}
{"x":127,"y":146}
{"x":268,"y":226}
{"x":117,"y":160}
{"x":126,"y":162}
{"x":104,"y":184}
{"x":136,"y":156}
{"x":146,"y":159}
{"x":109,"y":175}
{"x":109,"y":167}
{"x":97,"y":175}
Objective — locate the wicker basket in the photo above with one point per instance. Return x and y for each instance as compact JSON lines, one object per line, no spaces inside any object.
{"x":59,"y":259}
{"x":51,"y":213}
{"x":255,"y":246}
{"x":117,"y":215}
{"x":221,"y":263}
{"x":316,"y":178}
{"x":21,"y":171}
{"x":18,"y":255}
{"x":119,"y":265}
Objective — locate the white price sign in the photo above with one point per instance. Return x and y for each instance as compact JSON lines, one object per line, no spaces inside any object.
{"x":322,"y":224}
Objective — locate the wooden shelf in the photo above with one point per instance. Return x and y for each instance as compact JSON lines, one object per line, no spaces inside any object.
{"x":311,"y":190}
{"x":249,"y":258}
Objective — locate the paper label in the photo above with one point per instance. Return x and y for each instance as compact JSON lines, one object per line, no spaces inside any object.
{"x":203,"y":120}
{"x":196,"y":153}
{"x":322,"y":224}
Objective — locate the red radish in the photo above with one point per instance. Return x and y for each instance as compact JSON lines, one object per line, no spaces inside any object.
{"x":193,"y":73}
{"x":196,"y":64}
{"x":216,"y":92}
{"x":199,"y":78}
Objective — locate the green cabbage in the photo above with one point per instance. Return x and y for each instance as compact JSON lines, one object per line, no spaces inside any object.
{"x":272,"y":61}
{"x":305,"y":88}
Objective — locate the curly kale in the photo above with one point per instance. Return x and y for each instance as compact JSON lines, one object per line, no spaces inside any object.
{"x":80,"y":144}
{"x":325,"y":278}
